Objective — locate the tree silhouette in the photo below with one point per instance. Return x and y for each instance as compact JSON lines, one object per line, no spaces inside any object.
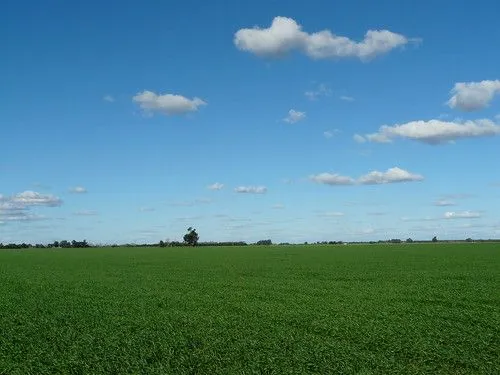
{"x":191,"y":237}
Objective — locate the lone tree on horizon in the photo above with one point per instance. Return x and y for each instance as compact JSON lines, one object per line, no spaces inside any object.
{"x":191,"y":237}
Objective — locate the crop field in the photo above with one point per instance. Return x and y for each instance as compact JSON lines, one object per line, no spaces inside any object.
{"x":356,"y":309}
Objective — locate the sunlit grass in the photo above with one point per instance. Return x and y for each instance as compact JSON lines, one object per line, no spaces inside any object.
{"x":374,"y":309}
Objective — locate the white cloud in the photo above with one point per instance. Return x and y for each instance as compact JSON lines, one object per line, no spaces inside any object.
{"x":331,"y":214}
{"x":278,"y":206}
{"x":85,"y":213}
{"x":330,"y":133}
{"x":78,"y":190}
{"x":108,"y":98}
{"x":146,"y":209}
{"x":458,"y":196}
{"x":322,"y":90}
{"x":472,"y":96}
{"x":378,"y":138}
{"x":294,"y":116}
{"x":192,"y":203}
{"x":358,"y":138}
{"x":181,"y":204}
{"x":168,"y":104}
{"x":435,"y":131}
{"x":409,"y":219}
{"x":392,"y":175}
{"x":32,"y":198}
{"x":444,"y":203}
{"x":347,"y":98}
{"x":16,"y":208}
{"x":332,"y":179}
{"x":203,"y":201}
{"x":462,"y":215}
{"x":251,"y":189}
{"x":20,"y":217}
{"x":8,"y":208}
{"x":216,"y":186}
{"x":285,"y":35}
{"x":447,"y":216}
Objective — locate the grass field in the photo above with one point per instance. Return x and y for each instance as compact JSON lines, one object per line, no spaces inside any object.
{"x":377,"y":309}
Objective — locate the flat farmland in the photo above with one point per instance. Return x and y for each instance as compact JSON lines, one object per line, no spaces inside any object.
{"x":355,"y":309}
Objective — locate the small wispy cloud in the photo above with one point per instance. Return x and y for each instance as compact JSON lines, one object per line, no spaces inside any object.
{"x":146,"y":209}
{"x":322,"y":90}
{"x":358,"y":138}
{"x":167,"y":104}
{"x":203,"y":200}
{"x":346,"y":98}
{"x":294,"y":116}
{"x":78,"y":190}
{"x":191,"y":203}
{"x":462,"y":215}
{"x":454,"y":196}
{"x":331,"y":133}
{"x":216,"y":186}
{"x":377,"y":213}
{"x":108,"y":98}
{"x":85,"y":213}
{"x":32,"y":198}
{"x":444,"y":203}
{"x":331,"y":214}
{"x":251,"y":189}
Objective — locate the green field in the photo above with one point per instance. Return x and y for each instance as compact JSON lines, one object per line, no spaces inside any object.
{"x":357,"y":309}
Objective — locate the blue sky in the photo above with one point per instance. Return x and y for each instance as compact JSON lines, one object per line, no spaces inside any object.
{"x":290,"y":120}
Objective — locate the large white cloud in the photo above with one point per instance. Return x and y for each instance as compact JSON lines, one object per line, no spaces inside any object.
{"x":392,"y":175}
{"x":168,"y":104}
{"x":435,"y":131}
{"x":286,"y":35}
{"x":251,"y":189}
{"x":472,"y":96}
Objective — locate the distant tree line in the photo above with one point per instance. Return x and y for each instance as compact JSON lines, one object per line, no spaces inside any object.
{"x":191,"y":239}
{"x":56,"y":244}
